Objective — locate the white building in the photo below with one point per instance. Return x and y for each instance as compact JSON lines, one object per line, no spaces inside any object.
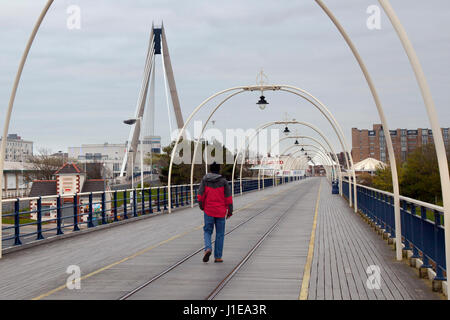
{"x":112,"y":154}
{"x":14,"y":184}
{"x":17,"y":149}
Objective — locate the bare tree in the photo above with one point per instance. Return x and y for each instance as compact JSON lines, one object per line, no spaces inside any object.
{"x":43,"y":165}
{"x":94,"y":170}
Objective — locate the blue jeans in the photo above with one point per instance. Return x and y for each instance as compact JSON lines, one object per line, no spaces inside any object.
{"x":210,"y":222}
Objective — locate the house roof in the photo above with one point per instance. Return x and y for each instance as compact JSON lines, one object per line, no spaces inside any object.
{"x":68,"y":168}
{"x":93,"y":185}
{"x":43,"y":188}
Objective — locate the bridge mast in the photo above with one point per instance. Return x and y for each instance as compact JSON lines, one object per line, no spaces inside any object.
{"x":157,"y":46}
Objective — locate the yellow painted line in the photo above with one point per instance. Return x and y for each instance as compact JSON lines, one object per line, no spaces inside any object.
{"x":307,"y":272}
{"x":62,"y":287}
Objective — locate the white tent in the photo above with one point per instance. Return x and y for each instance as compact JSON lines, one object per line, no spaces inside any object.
{"x":369,"y":165}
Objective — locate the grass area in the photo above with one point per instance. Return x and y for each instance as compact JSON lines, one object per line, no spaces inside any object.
{"x":10,"y":220}
{"x":8,"y":217}
{"x":138,"y":196}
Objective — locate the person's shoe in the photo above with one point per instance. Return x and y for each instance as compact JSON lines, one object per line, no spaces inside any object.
{"x":218,"y":260}
{"x":206,"y":256}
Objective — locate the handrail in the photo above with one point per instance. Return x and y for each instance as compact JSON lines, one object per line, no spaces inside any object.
{"x":422,"y":230}
{"x":417,"y":202}
{"x":71,"y":212}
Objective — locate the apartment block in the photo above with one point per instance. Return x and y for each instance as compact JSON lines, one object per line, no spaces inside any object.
{"x":17,"y":149}
{"x":372,"y":144}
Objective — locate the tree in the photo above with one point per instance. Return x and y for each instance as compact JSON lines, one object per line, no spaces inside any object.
{"x":181,"y":172}
{"x":382,"y":178}
{"x":420,"y":175}
{"x":365,"y":179}
{"x":43,"y":165}
{"x":94,"y":170}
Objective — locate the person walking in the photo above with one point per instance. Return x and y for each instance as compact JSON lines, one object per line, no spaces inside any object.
{"x":214,"y":198}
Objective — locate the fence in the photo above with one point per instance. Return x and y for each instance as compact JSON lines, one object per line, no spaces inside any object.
{"x":40,"y":217}
{"x":422,"y":224}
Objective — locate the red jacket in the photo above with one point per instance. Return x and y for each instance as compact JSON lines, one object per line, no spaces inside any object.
{"x":214,"y":196}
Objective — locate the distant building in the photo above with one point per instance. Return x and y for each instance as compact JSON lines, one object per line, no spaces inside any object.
{"x":69,"y":179}
{"x":112,"y":154}
{"x":14,"y":179}
{"x":372,"y":144}
{"x":63,"y":155}
{"x":17,"y":149}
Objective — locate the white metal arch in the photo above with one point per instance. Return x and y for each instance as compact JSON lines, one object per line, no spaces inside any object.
{"x":292,"y":158}
{"x":302,"y":145}
{"x":289,"y":122}
{"x":314,"y":140}
{"x":324,"y":157}
{"x":301,"y":93}
{"x":433,"y":118}
{"x":314,"y":154}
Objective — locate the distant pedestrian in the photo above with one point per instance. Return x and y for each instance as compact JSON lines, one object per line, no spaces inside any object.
{"x":214,"y":198}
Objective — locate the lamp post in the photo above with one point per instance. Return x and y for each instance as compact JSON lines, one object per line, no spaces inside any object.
{"x":141,"y":124}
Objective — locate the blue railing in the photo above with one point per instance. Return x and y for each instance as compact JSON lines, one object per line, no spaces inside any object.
{"x":422,"y":224}
{"x":38,"y":218}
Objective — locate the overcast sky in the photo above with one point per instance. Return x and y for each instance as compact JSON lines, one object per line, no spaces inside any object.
{"x":78,"y":85}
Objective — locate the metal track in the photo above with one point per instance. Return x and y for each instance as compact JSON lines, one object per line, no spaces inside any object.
{"x":129,"y":294}
{"x":224,"y":282}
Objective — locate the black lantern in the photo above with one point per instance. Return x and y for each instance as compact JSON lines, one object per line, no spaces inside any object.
{"x":262,"y":103}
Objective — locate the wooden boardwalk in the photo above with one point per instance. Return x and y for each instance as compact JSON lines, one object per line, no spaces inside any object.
{"x":345,"y":247}
{"x":115,"y":261}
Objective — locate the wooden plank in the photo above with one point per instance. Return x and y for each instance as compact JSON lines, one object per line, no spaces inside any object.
{"x":336,"y":278}
{"x":320,"y":287}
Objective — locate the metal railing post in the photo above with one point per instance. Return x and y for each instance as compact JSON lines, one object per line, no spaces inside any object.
{"x":142,"y":201}
{"x":125,"y":205}
{"x":103,"y":208}
{"x":158,"y":200}
{"x":413,"y":234}
{"x":115,"y":206}
{"x":75,"y":213}
{"x":392,"y":215}
{"x":90,"y":222}
{"x":165,"y":198}
{"x":437,"y":256}
{"x":196,"y":194}
{"x":150,"y":196}
{"x":134,"y":202}
{"x":17,"y":223}
{"x":181,"y":196}
{"x":403,"y":223}
{"x":39,"y":220}
{"x":426,"y":262}
{"x":58,"y":215}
